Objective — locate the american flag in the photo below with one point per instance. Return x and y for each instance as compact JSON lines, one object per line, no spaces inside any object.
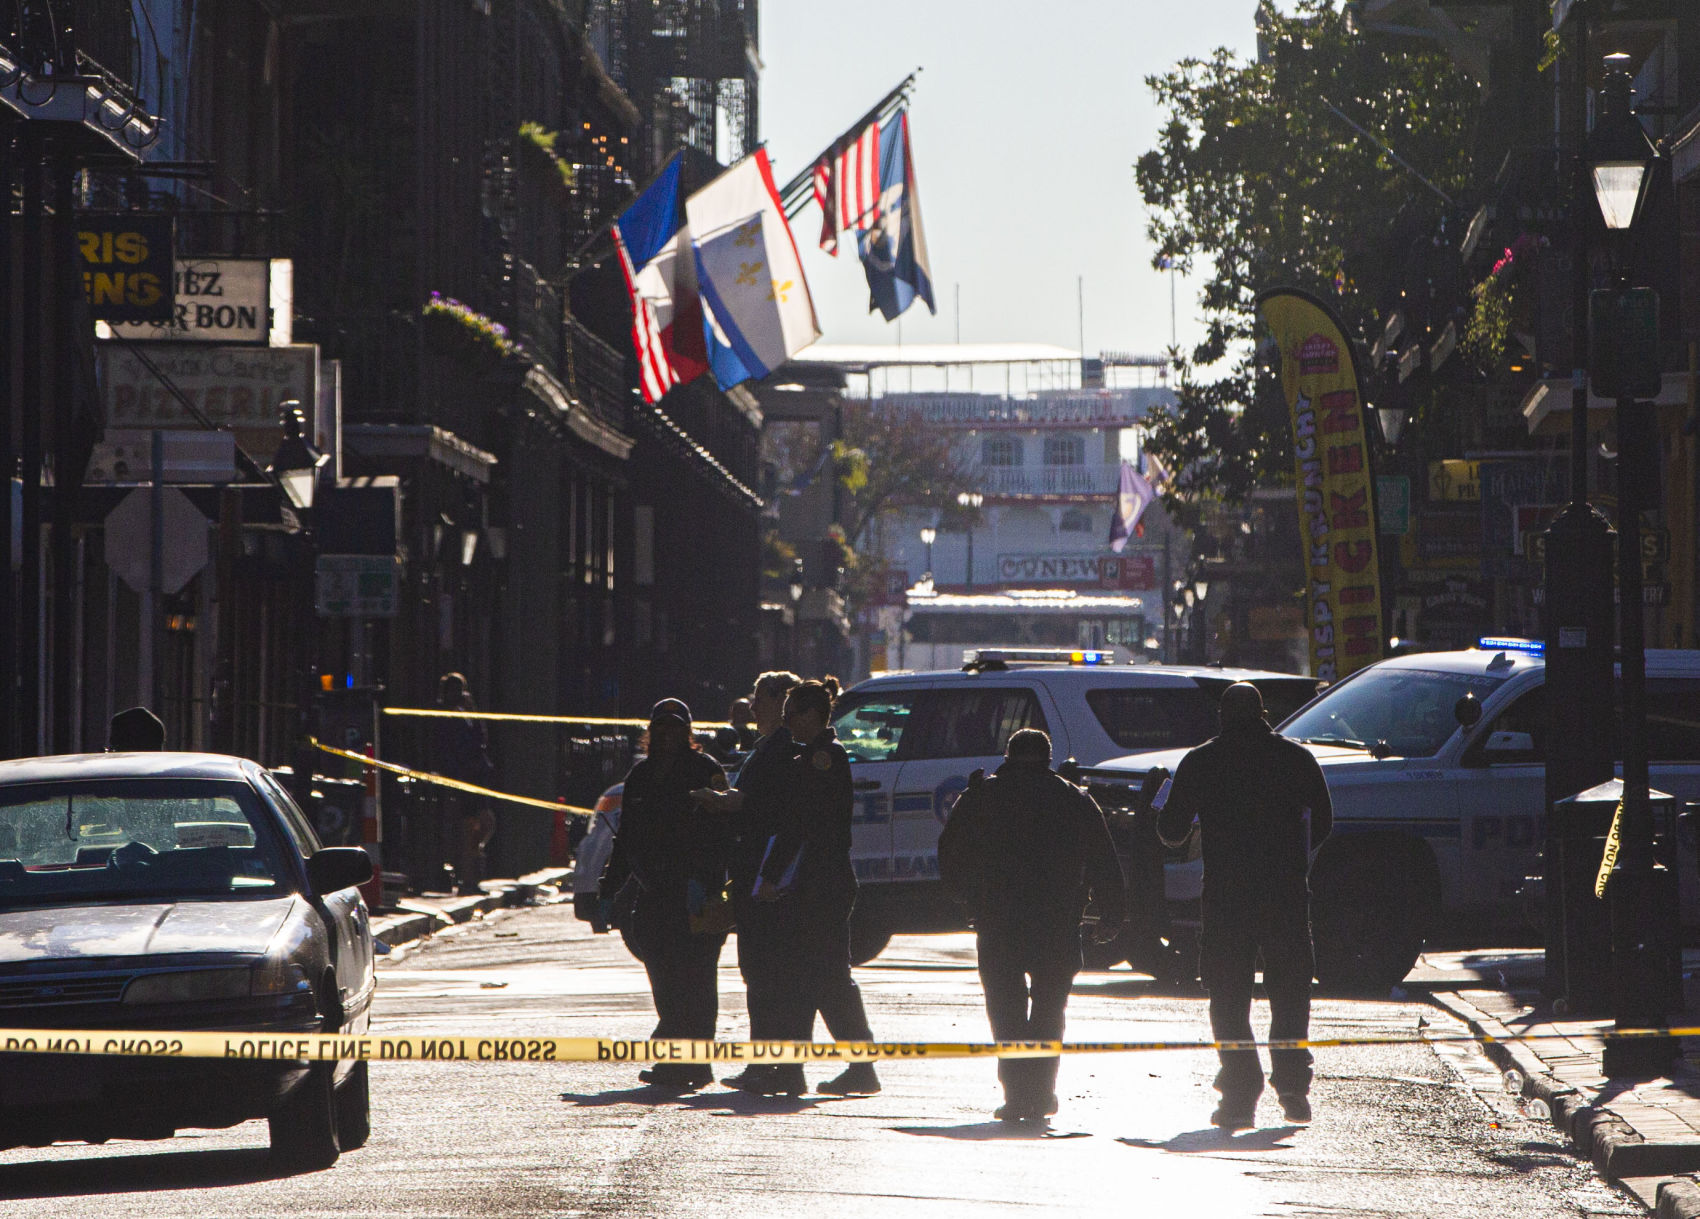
{"x":847,"y":185}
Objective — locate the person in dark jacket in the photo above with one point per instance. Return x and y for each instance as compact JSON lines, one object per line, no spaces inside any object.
{"x":460,"y":750}
{"x":754,"y":809}
{"x":806,"y":872}
{"x":1262,"y":806}
{"x":676,"y":852}
{"x":1021,"y":851}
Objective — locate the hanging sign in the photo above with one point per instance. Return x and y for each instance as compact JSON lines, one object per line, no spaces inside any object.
{"x":1336,"y":492}
{"x":219,"y":300}
{"x":126,"y":263}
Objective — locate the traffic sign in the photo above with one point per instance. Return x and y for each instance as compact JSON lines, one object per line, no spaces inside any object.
{"x":1623,"y":342}
{"x":357,"y":586}
{"x":129,"y":539}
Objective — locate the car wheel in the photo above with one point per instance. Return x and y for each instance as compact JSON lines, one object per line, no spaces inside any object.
{"x":1372,"y":905}
{"x":354,"y":1109}
{"x":868,"y":938}
{"x":303,"y":1127}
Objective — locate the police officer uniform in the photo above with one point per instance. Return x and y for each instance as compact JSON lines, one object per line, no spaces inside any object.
{"x":1262,"y":806}
{"x":1020,"y":851}
{"x":677,"y":853}
{"x":808,"y":861}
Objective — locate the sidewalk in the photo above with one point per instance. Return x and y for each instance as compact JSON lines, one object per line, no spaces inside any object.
{"x":415,"y":918}
{"x":1645,"y":1135}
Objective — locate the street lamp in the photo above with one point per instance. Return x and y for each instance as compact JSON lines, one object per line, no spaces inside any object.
{"x":971,"y":501}
{"x":296,"y":464}
{"x":929,"y":535}
{"x":1624,"y":364}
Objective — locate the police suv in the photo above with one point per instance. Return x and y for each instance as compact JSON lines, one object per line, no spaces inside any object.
{"x":914,"y":738}
{"x":1439,"y":810}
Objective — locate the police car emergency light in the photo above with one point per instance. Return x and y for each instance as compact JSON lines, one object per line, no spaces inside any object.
{"x":982,"y":658}
{"x":1532,"y":647}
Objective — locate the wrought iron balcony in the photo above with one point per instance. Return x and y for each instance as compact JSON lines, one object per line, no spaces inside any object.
{"x":1047,"y":480}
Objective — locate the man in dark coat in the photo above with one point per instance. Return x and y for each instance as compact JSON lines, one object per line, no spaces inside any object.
{"x":1021,"y":850}
{"x":1262,"y":806}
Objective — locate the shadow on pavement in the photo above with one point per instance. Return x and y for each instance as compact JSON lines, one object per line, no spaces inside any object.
{"x":728,"y":1100}
{"x":1133,"y":986}
{"x":1214,"y":1139}
{"x":982,"y":1132}
{"x":87,"y":1176}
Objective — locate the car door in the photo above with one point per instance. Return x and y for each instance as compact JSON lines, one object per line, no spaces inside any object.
{"x":349,"y":922}
{"x":1501,"y":790}
{"x":958,"y":729}
{"x":873,"y":727}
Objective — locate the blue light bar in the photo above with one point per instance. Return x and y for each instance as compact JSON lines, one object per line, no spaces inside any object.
{"x":1531,"y":647}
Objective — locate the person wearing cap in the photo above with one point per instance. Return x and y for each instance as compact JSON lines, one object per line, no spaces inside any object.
{"x":1021,"y":851}
{"x":806,"y":874}
{"x":135,"y":730}
{"x":677,"y":853}
{"x":1262,"y":807}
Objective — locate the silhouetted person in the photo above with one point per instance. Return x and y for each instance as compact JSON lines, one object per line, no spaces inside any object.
{"x":1262,"y":806}
{"x":1021,"y":850}
{"x":460,"y":750}
{"x":136,"y":730}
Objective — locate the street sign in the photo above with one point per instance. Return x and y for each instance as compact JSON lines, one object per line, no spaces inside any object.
{"x":1454,"y":481}
{"x":1623,"y":343}
{"x":357,"y":586}
{"x":129,"y":539}
{"x":1393,"y":504}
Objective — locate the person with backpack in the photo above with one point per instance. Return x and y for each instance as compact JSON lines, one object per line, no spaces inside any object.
{"x":1022,"y":851}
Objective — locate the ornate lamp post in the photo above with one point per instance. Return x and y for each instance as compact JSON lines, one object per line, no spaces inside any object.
{"x":1623,"y":329}
{"x":929,"y":535}
{"x":970,"y":500}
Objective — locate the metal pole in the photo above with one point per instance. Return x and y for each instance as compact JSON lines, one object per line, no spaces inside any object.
{"x":8,"y":460}
{"x":147,"y":635}
{"x":67,"y":349}
{"x":32,"y":408}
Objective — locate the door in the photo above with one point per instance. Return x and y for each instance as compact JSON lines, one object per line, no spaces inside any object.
{"x":958,"y":729}
{"x":873,"y":726}
{"x":1501,"y":786}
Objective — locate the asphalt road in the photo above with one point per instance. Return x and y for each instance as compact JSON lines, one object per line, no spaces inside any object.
{"x":1408,"y":1130}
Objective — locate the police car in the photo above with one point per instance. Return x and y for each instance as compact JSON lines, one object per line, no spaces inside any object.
{"x":914,"y":738}
{"x":1439,"y":814}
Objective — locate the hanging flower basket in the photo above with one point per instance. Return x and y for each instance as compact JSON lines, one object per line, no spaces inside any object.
{"x":460,"y":331}
{"x":1503,"y":305}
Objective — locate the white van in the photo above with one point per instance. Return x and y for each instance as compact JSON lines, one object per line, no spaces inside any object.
{"x":914,"y":738}
{"x":1436,"y":823}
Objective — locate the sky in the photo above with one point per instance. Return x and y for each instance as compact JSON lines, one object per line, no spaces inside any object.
{"x":1025,"y":124}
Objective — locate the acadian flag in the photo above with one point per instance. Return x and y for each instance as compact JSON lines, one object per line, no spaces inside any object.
{"x":757,"y":311}
{"x":655,"y":254}
{"x":894,"y":246}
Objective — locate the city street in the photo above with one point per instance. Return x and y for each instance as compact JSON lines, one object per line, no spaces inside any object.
{"x":1408,"y":1130}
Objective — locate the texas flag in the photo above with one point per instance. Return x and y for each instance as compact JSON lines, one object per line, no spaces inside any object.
{"x":655,"y":254}
{"x":757,"y":311}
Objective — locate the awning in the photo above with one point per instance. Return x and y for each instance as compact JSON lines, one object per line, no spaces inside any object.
{"x":419,"y":440}
{"x":1546,"y":407}
{"x":115,"y":120}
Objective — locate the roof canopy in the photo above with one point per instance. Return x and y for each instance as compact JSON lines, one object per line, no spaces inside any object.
{"x":860,"y":357}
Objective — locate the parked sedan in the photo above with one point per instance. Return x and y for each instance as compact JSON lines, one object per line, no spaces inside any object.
{"x":176,"y":891}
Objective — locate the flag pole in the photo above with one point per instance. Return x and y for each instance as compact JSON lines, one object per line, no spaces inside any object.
{"x":799,"y":190}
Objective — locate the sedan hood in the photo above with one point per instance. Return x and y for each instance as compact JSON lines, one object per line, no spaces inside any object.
{"x":1138,"y":763}
{"x":139,"y":929}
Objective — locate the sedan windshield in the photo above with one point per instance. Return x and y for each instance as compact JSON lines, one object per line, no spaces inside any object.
{"x":1409,"y":711}
{"x":141,"y":839}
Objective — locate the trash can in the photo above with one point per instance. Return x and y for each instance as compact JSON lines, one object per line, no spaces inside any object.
{"x":1579,"y":940}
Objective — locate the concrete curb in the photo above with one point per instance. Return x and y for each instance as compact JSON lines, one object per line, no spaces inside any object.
{"x":1615,"y":1148}
{"x":414,"y":920}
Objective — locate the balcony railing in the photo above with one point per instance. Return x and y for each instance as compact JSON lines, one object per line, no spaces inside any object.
{"x":1047,"y":480}
{"x":1069,"y":408}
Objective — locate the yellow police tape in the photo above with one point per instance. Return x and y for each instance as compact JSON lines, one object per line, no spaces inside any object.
{"x":511,"y":717}
{"x":1608,"y":861}
{"x":442,"y":781}
{"x":446,"y":1047}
